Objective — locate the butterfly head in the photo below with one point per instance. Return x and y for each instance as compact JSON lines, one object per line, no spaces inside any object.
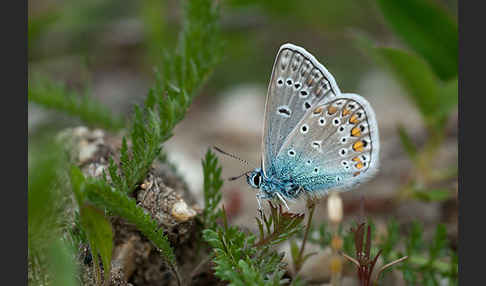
{"x":255,"y":178}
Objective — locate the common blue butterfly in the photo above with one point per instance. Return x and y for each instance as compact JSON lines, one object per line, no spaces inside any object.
{"x":315,"y":137}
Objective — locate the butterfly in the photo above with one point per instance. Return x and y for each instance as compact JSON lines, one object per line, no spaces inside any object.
{"x":315,"y":137}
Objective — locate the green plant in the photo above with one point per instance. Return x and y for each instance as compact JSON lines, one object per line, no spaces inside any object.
{"x":183,"y":72}
{"x":93,"y":222}
{"x":363,"y":261}
{"x":298,"y":256}
{"x":55,"y":95}
{"x":241,"y":259}
{"x":166,"y":104}
{"x":428,"y":262}
{"x":50,"y":258}
{"x":429,"y":75}
{"x":212,"y":186}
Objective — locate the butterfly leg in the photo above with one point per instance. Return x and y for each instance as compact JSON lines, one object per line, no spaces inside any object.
{"x":282,"y":199}
{"x":259,"y":200}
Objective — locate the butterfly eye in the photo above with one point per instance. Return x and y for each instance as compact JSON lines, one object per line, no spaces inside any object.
{"x":257,"y":180}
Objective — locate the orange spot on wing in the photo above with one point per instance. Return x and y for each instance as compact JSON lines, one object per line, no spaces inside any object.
{"x":346,"y":112}
{"x":355,"y":131}
{"x":358,"y":146}
{"x":356,"y":159}
{"x":359,"y":165}
{"x":318,"y":110}
{"x":332,"y":109}
{"x":356,"y":174}
{"x":353,"y":119}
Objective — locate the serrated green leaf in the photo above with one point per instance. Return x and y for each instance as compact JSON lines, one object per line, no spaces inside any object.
{"x":212,"y":189}
{"x":54,"y":95}
{"x":428,"y":29}
{"x":100,"y":235}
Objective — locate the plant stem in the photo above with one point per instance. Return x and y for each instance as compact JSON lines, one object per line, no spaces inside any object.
{"x":174,"y":270}
{"x":201,"y":264}
{"x":299,"y":262}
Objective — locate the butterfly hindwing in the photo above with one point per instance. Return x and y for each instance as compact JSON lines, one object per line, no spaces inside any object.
{"x":335,"y":145}
{"x":297,"y":84}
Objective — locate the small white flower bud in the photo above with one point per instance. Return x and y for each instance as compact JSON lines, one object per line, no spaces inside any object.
{"x":335,"y":208}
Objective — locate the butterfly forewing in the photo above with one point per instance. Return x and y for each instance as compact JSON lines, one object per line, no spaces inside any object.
{"x":334,"y":145}
{"x":297,"y":84}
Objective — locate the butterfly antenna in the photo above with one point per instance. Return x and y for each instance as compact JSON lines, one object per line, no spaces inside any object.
{"x":231,"y":155}
{"x":234,"y":157}
{"x":237,"y":177}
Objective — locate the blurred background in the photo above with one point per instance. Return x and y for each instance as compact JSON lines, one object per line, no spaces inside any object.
{"x":108,"y":49}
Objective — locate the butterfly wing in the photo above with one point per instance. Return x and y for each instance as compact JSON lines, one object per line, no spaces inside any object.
{"x":335,"y":145}
{"x":297,"y":83}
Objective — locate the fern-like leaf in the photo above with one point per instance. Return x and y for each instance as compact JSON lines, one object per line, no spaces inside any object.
{"x":55,"y":95}
{"x":212,"y":186}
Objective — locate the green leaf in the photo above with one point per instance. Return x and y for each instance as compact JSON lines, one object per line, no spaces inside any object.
{"x":77,"y":183}
{"x":184,"y":71}
{"x":238,"y":260}
{"x":294,"y":250}
{"x":47,"y":201}
{"x":433,"y":195}
{"x":62,"y":267}
{"x":415,"y":243}
{"x":407,"y":143}
{"x":100,"y":235}
{"x":428,"y":29}
{"x":55,"y":95}
{"x":102,"y":195}
{"x":212,"y":189}
{"x":449,"y":96}
{"x":419,"y":80}
{"x":439,"y":244}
